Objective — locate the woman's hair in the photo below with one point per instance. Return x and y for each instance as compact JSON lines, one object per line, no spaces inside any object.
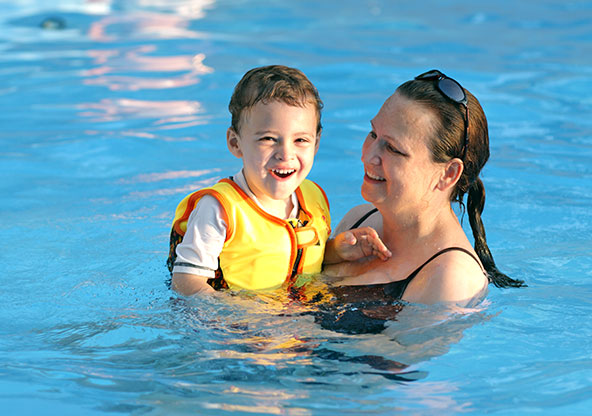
{"x":446,"y":143}
{"x":273,"y":82}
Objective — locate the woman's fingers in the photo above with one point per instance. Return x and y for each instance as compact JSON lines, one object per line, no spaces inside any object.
{"x":374,"y":244}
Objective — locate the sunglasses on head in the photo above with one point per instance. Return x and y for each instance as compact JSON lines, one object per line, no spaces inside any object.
{"x":452,"y":90}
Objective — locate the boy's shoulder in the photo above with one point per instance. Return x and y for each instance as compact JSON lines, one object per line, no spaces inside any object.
{"x":310,"y":184}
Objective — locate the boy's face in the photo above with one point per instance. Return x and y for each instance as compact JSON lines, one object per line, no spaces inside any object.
{"x":277,"y":143}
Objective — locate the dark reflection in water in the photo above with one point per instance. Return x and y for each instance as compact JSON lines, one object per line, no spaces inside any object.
{"x":53,"y":23}
{"x":357,"y":309}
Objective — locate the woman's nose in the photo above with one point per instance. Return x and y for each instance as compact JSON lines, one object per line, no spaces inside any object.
{"x":369,"y":153}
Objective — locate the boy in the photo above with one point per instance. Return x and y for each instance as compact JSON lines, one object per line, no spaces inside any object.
{"x":268,"y":223}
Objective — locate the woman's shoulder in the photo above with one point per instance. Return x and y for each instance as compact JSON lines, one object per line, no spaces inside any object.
{"x":454,"y":276}
{"x":363,"y":215}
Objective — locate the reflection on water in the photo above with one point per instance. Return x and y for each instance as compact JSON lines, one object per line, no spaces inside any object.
{"x":155,"y":177}
{"x":110,"y":110}
{"x":142,"y":25}
{"x":105,"y":75}
{"x":114,"y":28}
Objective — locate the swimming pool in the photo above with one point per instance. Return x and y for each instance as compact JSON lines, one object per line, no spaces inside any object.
{"x":109,"y":120}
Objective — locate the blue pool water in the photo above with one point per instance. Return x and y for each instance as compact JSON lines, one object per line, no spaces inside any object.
{"x":108,"y":121}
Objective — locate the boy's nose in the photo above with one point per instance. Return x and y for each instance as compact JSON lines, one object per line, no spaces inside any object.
{"x":285,"y":151}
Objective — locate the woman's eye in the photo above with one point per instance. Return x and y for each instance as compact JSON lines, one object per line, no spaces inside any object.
{"x":394,"y":150}
{"x":372,"y":135}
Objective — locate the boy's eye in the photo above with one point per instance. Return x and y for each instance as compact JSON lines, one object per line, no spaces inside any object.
{"x":267,"y":138}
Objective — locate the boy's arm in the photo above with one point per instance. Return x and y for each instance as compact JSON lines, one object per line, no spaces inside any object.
{"x":197,"y":254}
{"x":188,"y":284}
{"x":354,"y":245}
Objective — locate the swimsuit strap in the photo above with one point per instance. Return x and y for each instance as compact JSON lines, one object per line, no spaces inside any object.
{"x":397,"y":288}
{"x":446,"y":250}
{"x":363,"y":218}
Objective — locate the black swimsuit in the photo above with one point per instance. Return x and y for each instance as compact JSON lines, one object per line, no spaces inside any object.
{"x":392,"y":290}
{"x":366,"y":308}
{"x":395,"y":290}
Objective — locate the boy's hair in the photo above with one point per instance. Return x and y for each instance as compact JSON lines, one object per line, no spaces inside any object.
{"x":274,"y":82}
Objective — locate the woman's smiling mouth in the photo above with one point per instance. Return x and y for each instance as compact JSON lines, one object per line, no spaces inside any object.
{"x":375,"y":177}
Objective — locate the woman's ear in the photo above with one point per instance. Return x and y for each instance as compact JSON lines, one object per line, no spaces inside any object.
{"x":450,"y":174}
{"x":233,"y":142}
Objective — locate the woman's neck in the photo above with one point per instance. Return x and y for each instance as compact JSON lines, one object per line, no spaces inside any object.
{"x":423,"y":231}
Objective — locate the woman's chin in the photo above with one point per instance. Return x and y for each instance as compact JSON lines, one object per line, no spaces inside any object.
{"x":369,"y":195}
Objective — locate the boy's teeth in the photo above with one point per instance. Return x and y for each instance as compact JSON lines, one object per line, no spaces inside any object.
{"x":283,"y":172}
{"x":376,"y":178}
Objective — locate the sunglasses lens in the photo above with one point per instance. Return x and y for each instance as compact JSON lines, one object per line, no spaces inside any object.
{"x":451,"y":89}
{"x":433,"y":74}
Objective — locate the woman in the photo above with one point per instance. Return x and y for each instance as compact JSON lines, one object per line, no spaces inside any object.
{"x":428,"y":143}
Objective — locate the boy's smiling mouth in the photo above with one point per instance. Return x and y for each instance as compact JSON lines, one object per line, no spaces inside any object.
{"x":282,"y":173}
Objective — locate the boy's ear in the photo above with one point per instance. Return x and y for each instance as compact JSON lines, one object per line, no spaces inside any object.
{"x":450,"y":175}
{"x":233,"y":142}
{"x":318,"y":141}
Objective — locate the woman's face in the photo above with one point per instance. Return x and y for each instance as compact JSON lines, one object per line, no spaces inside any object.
{"x":399,"y":173}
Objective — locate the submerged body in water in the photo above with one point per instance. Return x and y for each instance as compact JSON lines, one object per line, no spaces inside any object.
{"x":366,"y":309}
{"x":361,"y":328}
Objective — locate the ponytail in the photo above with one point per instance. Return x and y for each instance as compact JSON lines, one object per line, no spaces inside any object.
{"x":475,"y":204}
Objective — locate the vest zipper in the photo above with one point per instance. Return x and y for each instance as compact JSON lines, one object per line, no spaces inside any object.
{"x":299,"y":252}
{"x":296,"y":263}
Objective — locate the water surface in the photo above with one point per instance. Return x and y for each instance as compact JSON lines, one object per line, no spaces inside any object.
{"x":108,"y":122}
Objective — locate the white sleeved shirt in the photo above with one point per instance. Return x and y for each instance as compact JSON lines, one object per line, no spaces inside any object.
{"x":206,"y":233}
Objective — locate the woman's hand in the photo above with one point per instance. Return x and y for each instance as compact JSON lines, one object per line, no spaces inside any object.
{"x":354,"y":245}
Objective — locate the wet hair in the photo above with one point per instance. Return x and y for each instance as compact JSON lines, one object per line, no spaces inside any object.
{"x":446,"y":143}
{"x":274,"y":82}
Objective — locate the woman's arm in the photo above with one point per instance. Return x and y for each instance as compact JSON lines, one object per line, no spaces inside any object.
{"x":453,"y":278}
